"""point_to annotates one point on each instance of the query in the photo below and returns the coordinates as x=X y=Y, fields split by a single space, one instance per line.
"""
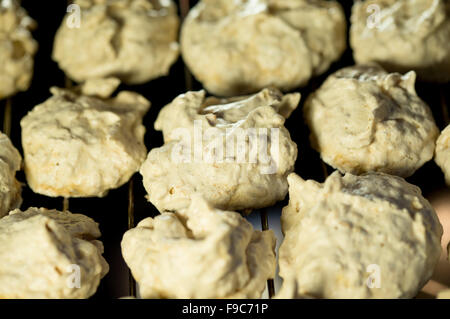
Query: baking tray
x=124 y=207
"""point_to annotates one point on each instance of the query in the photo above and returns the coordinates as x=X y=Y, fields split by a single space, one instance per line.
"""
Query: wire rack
x=438 y=97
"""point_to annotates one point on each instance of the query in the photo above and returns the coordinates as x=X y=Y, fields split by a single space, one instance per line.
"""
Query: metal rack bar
x=445 y=112
x=324 y=169
x=132 y=282
x=65 y=204
x=184 y=10
x=265 y=226
x=68 y=85
x=7 y=117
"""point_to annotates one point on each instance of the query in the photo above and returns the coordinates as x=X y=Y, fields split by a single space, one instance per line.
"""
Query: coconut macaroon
x=10 y=188
x=403 y=35
x=365 y=119
x=17 y=48
x=235 y=152
x=370 y=236
x=77 y=145
x=240 y=47
x=134 y=40
x=214 y=254
x=442 y=157
x=49 y=254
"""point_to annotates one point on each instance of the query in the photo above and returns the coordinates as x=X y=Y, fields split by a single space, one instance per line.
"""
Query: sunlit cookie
x=403 y=35
x=77 y=145
x=134 y=40
x=214 y=254
x=17 y=48
x=365 y=119
x=243 y=46
x=10 y=163
x=49 y=254
x=370 y=236
x=236 y=153
x=442 y=156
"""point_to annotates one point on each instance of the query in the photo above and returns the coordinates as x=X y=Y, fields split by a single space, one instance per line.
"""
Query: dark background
x=111 y=212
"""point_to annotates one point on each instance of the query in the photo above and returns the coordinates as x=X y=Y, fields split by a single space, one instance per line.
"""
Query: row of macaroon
x=82 y=143
x=247 y=279
x=285 y=42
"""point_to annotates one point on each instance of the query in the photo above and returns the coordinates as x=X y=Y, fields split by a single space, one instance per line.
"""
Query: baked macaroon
x=240 y=47
x=403 y=35
x=365 y=119
x=10 y=188
x=369 y=236
x=212 y=254
x=133 y=40
x=17 y=48
x=78 y=145
x=442 y=156
x=235 y=152
x=49 y=254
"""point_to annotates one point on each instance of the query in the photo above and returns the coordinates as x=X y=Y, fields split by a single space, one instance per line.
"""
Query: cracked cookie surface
x=235 y=152
x=78 y=145
x=369 y=236
x=211 y=254
x=17 y=48
x=240 y=47
x=133 y=40
x=43 y=252
x=364 y=119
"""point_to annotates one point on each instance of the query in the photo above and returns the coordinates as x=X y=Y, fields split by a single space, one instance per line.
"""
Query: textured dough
x=17 y=48
x=134 y=40
x=337 y=231
x=10 y=188
x=214 y=254
x=365 y=119
x=38 y=251
x=442 y=156
x=404 y=35
x=82 y=146
x=237 y=180
x=239 y=47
